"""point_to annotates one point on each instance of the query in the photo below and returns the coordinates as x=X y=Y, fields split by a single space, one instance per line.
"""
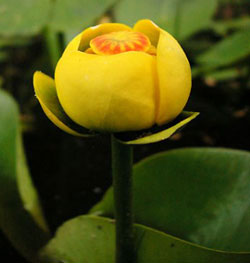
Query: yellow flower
x=115 y=78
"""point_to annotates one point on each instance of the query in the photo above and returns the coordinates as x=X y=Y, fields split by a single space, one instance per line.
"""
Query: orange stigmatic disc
x=120 y=41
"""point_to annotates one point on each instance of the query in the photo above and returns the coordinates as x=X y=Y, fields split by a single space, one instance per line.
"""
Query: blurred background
x=72 y=174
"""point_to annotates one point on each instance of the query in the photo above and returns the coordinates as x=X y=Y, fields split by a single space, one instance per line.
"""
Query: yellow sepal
x=46 y=94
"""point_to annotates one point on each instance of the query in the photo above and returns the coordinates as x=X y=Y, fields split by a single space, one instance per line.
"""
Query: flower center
x=118 y=42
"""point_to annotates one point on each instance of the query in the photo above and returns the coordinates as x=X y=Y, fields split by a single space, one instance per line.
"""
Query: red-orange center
x=118 y=42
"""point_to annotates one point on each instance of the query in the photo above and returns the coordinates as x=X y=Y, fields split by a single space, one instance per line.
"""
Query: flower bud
x=114 y=78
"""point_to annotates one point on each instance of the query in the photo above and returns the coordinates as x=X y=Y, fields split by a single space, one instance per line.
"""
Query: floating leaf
x=223 y=74
x=180 y=18
x=200 y=195
x=76 y=15
x=21 y=217
x=23 y=18
x=227 y=51
x=92 y=239
x=222 y=27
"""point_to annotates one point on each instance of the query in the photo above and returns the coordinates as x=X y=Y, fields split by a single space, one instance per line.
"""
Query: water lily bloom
x=114 y=78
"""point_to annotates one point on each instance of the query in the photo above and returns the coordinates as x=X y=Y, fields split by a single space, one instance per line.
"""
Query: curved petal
x=46 y=93
x=112 y=93
x=174 y=78
x=73 y=44
x=149 y=28
x=81 y=41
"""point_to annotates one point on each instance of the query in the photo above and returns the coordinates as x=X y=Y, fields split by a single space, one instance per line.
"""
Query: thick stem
x=122 y=160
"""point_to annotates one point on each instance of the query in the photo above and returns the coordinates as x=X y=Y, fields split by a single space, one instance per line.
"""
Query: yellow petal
x=112 y=93
x=174 y=78
x=46 y=93
x=81 y=41
x=73 y=44
x=150 y=29
x=98 y=30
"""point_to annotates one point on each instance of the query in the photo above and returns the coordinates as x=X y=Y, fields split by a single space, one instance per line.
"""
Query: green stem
x=122 y=161
x=53 y=45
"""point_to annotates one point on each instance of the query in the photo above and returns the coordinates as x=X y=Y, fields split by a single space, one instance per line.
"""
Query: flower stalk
x=122 y=161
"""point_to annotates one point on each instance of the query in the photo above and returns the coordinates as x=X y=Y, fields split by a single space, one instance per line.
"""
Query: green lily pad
x=25 y=18
x=198 y=194
x=223 y=74
x=224 y=26
x=227 y=51
x=92 y=239
x=76 y=15
x=21 y=217
x=180 y=18
x=156 y=133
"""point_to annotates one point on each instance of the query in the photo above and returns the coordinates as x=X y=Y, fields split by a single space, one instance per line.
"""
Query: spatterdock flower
x=115 y=78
